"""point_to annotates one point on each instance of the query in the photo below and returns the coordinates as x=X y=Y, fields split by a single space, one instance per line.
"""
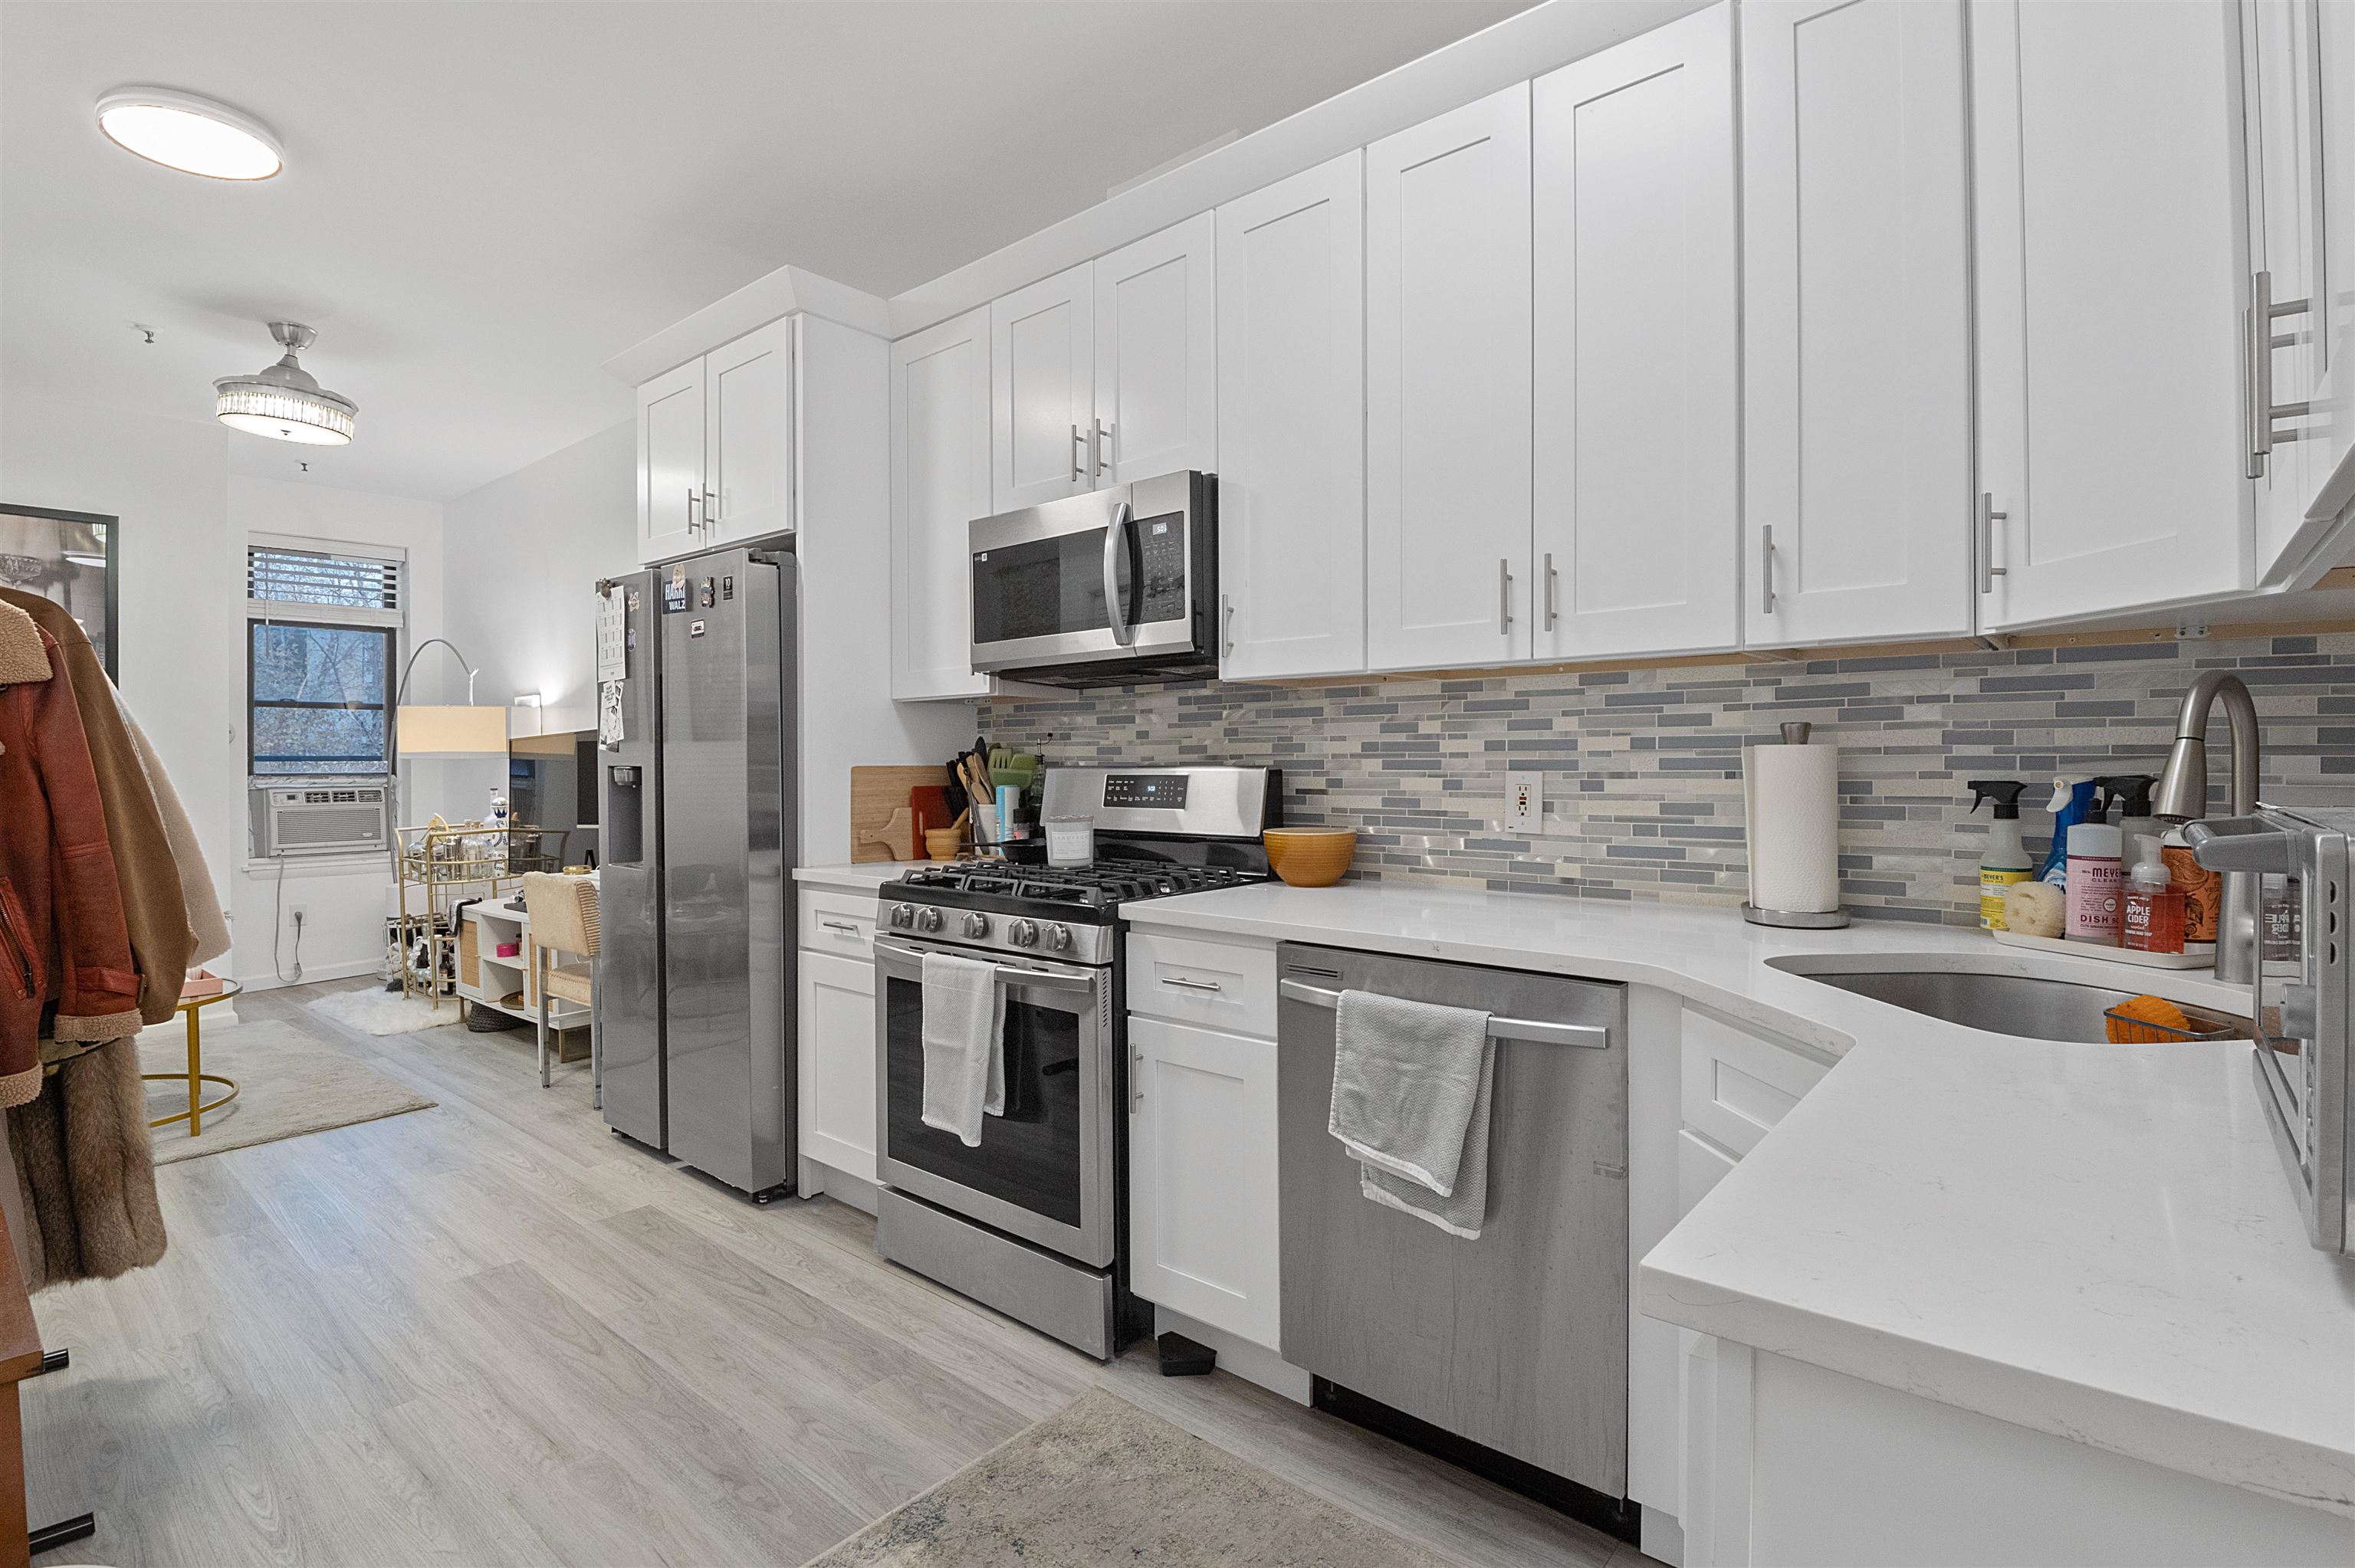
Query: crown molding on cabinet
x=782 y=293
x=1553 y=33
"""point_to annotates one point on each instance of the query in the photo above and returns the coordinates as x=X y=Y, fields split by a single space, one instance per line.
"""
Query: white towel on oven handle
x=965 y=1046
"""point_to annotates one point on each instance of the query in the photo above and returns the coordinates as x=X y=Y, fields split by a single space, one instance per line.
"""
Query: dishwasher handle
x=1591 y=1037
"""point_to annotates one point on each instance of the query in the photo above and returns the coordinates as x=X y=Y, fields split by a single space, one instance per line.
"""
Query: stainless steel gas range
x=1034 y=1220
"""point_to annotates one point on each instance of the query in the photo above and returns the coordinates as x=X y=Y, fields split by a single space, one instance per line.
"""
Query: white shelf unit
x=498 y=978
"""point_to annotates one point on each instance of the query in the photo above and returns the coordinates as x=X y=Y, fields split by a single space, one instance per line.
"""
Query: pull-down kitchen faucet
x=2182 y=795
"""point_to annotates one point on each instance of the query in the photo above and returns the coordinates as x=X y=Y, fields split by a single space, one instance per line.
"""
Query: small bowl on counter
x=1310 y=857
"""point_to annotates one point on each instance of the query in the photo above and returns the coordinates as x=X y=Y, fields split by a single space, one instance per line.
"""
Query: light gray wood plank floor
x=491 y=1334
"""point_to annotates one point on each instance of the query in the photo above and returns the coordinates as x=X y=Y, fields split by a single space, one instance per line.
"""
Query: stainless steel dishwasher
x=1512 y=1345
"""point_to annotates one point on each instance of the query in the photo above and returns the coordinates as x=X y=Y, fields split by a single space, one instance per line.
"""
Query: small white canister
x=1070 y=840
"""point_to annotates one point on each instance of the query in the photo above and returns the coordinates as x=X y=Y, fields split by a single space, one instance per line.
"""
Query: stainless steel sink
x=2024 y=1005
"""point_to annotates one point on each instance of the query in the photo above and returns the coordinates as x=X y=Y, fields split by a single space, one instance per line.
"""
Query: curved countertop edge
x=864 y=877
x=1716 y=962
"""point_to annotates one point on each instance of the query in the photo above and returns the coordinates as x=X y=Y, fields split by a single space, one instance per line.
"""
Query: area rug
x=1101 y=1482
x=374 y=1010
x=288 y=1085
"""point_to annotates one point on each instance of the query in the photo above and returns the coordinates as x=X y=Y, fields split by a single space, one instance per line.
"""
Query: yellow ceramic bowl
x=1310 y=857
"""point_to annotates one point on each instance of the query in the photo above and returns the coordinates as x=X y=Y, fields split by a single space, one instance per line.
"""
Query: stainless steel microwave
x=1099 y=589
x=2304 y=1001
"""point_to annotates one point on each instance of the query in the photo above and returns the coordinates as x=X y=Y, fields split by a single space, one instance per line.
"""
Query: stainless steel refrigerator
x=695 y=972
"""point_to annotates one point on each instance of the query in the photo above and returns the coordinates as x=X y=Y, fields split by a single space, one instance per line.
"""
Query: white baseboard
x=1255 y=1363
x=312 y=973
x=838 y=1184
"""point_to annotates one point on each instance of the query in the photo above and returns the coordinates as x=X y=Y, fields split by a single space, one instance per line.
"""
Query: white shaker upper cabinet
x=2111 y=250
x=1157 y=356
x=2298 y=176
x=670 y=464
x=939 y=483
x=1447 y=389
x=1042 y=390
x=1637 y=338
x=1292 y=435
x=747 y=435
x=1856 y=261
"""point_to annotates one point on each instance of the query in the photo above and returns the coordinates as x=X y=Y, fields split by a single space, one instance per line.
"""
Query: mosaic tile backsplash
x=1643 y=768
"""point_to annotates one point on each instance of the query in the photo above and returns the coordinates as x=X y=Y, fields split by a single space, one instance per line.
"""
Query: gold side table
x=196 y=1078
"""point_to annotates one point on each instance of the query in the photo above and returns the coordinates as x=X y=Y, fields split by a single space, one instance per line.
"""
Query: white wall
x=520 y=570
x=344 y=900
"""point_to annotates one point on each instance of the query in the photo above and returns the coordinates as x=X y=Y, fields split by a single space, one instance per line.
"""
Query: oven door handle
x=1593 y=1037
x=1012 y=974
x=1116 y=541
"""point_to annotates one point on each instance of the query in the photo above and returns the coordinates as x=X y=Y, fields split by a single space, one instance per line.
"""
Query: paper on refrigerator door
x=612 y=638
x=609 y=713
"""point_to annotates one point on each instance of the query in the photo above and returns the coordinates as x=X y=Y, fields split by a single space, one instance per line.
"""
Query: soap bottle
x=2005 y=860
x=2154 y=913
x=2094 y=883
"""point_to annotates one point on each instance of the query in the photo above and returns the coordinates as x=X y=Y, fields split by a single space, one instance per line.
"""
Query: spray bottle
x=2005 y=861
x=2072 y=803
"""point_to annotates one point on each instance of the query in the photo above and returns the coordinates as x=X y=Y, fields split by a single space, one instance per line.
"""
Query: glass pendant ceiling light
x=282 y=401
x=196 y=135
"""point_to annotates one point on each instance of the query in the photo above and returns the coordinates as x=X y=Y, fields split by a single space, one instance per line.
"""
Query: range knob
x=1059 y=937
x=904 y=916
x=927 y=919
x=1023 y=933
x=976 y=925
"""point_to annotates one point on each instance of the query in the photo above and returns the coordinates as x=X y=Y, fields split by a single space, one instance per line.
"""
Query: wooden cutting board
x=875 y=794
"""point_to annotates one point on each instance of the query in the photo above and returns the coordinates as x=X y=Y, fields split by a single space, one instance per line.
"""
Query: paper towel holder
x=1796 y=733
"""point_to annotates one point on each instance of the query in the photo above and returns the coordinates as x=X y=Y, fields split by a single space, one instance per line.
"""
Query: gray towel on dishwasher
x=1412 y=1083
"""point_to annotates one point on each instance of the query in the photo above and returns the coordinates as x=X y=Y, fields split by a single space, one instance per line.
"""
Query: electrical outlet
x=1524 y=801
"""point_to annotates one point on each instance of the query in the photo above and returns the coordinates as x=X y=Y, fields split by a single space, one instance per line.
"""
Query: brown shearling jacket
x=154 y=912
x=62 y=938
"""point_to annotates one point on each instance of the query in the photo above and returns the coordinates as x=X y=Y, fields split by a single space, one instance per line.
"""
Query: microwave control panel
x=1160 y=556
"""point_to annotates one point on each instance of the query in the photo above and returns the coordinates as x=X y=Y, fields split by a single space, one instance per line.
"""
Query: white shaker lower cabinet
x=1447 y=389
x=2110 y=247
x=1857 y=506
x=1202 y=1176
x=836 y=1049
x=1639 y=394
x=939 y=483
x=1292 y=426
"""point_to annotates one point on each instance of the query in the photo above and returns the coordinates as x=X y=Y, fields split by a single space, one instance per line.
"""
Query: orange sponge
x=2171 y=1022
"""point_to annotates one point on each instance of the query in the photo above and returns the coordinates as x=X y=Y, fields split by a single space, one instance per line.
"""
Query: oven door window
x=1041 y=587
x=1033 y=1157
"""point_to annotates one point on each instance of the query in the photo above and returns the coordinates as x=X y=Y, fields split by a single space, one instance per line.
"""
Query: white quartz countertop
x=2094 y=1241
x=864 y=877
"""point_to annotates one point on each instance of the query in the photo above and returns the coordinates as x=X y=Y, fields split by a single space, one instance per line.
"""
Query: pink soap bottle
x=2096 y=884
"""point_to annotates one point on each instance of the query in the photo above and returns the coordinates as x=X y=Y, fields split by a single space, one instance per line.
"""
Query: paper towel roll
x=1791 y=796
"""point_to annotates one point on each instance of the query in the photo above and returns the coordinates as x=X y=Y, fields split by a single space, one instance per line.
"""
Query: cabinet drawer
x=835 y=922
x=1737 y=1086
x=1226 y=985
x=1701 y=1165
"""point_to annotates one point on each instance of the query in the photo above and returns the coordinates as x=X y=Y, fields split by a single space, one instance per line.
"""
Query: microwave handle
x=1116 y=540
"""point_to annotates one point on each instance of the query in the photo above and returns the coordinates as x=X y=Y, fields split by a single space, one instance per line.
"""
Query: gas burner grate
x=1097 y=886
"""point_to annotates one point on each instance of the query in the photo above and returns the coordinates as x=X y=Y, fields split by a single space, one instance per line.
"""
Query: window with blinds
x=322 y=642
x=364 y=588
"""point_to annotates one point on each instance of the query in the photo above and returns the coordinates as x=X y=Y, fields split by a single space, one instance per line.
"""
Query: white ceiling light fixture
x=283 y=401
x=195 y=136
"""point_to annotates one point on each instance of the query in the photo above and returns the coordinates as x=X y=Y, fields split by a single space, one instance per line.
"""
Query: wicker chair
x=563 y=912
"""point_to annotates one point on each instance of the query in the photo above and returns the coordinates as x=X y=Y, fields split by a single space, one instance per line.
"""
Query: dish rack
x=2128 y=1030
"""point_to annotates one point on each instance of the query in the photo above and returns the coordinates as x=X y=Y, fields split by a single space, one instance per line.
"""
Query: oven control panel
x=1148 y=791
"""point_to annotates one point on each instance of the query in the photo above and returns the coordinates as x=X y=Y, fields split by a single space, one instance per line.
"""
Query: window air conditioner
x=293 y=821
